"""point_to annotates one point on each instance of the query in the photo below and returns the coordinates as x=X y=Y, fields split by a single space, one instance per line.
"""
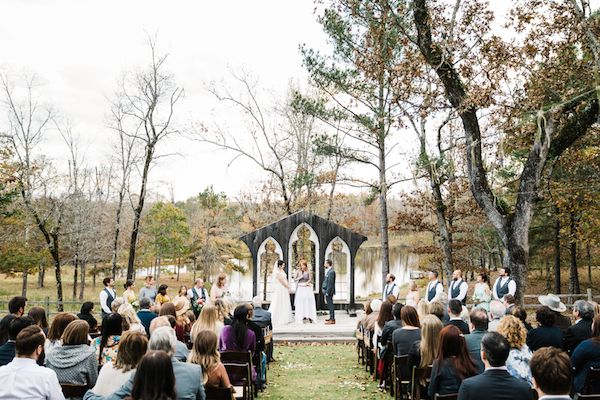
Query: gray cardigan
x=76 y=364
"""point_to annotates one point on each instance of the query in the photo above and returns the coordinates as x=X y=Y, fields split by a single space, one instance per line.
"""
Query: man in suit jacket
x=495 y=383
x=187 y=384
x=329 y=290
x=583 y=312
x=146 y=315
x=479 y=326
x=8 y=349
x=551 y=373
x=390 y=326
x=454 y=310
x=261 y=316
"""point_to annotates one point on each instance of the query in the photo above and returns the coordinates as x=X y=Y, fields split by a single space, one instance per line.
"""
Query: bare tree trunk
x=115 y=246
x=75 y=270
x=24 y=283
x=194 y=266
x=41 y=274
x=589 y=263
x=548 y=277
x=445 y=233
x=94 y=273
x=178 y=267
x=82 y=284
x=557 y=288
x=574 y=274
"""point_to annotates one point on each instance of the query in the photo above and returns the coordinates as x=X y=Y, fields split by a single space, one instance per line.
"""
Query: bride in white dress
x=281 y=307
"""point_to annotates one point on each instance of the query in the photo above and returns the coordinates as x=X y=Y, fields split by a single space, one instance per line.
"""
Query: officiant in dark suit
x=329 y=290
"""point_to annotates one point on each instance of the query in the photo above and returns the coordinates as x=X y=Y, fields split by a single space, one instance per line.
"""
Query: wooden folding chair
x=453 y=396
x=71 y=390
x=592 y=382
x=240 y=377
x=587 y=397
x=417 y=375
x=360 y=345
x=213 y=393
x=401 y=379
x=242 y=357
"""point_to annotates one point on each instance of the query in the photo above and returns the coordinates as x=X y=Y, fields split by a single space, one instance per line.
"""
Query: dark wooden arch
x=326 y=231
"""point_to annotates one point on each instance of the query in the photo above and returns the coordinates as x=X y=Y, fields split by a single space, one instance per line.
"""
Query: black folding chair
x=71 y=390
x=453 y=396
x=243 y=357
x=218 y=393
x=592 y=382
x=240 y=377
x=401 y=378
x=419 y=374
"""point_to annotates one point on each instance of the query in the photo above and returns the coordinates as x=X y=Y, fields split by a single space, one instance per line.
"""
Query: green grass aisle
x=312 y=371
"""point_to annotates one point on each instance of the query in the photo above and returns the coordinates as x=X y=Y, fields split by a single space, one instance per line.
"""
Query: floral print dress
x=517 y=363
x=109 y=352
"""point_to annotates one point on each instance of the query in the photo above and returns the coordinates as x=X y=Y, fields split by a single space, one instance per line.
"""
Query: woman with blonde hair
x=519 y=356
x=422 y=352
x=423 y=308
x=412 y=298
x=219 y=289
x=204 y=353
x=114 y=374
x=129 y=315
x=208 y=320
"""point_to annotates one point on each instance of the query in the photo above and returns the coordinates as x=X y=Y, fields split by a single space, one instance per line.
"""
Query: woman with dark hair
x=166 y=309
x=546 y=334
x=57 y=327
x=86 y=315
x=39 y=317
x=107 y=345
x=404 y=337
x=482 y=295
x=129 y=295
x=237 y=336
x=162 y=297
x=385 y=315
x=586 y=355
x=154 y=378
x=452 y=365
x=521 y=315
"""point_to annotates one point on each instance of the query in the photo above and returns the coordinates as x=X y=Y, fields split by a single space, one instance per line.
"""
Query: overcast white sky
x=80 y=48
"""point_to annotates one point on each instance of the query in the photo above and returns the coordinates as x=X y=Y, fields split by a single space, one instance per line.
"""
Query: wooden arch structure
x=326 y=231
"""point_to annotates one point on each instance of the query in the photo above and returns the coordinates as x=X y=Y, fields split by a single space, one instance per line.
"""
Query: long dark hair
x=39 y=316
x=154 y=378
x=385 y=314
x=454 y=346
x=240 y=325
x=112 y=325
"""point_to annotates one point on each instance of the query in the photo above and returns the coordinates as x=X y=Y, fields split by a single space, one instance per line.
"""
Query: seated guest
x=188 y=384
x=508 y=301
x=237 y=336
x=385 y=315
x=224 y=312
x=497 y=311
x=8 y=349
x=404 y=337
x=181 y=350
x=57 y=327
x=258 y=333
x=495 y=383
x=521 y=314
x=128 y=313
x=368 y=311
x=261 y=316
x=553 y=302
x=519 y=356
x=437 y=308
x=39 y=317
x=154 y=379
x=207 y=320
x=454 y=310
x=16 y=308
x=86 y=315
x=205 y=354
x=551 y=374
x=479 y=327
x=391 y=326
x=583 y=312
x=117 y=302
x=423 y=352
x=423 y=308
x=371 y=319
x=182 y=305
x=167 y=308
x=146 y=315
x=586 y=355
x=546 y=334
x=452 y=365
x=106 y=345
x=113 y=375
x=22 y=378
x=75 y=361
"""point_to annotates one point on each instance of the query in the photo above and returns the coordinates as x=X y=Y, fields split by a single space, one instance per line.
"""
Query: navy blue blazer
x=497 y=384
x=329 y=283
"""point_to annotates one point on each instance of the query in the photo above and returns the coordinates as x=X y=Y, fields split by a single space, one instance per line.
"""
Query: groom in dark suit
x=329 y=290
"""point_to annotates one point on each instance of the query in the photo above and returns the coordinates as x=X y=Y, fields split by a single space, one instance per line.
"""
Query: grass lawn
x=315 y=371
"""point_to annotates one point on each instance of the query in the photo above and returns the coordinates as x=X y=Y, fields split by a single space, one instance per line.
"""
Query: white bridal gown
x=281 y=307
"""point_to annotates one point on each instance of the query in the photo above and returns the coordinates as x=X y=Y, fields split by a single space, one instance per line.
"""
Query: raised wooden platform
x=342 y=331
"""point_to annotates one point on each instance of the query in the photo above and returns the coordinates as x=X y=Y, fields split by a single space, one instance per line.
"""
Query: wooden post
x=48 y=305
x=589 y=294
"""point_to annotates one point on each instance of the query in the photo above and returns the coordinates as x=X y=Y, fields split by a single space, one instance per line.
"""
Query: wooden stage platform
x=342 y=331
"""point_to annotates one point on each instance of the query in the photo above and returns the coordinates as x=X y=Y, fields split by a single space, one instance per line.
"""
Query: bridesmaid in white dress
x=412 y=298
x=281 y=306
x=306 y=309
x=482 y=295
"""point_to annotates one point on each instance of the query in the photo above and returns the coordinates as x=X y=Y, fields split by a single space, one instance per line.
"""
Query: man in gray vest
x=458 y=288
x=107 y=296
x=435 y=289
x=390 y=287
x=329 y=290
x=504 y=285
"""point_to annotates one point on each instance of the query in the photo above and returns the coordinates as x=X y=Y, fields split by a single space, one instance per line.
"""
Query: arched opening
x=269 y=252
x=339 y=253
x=304 y=244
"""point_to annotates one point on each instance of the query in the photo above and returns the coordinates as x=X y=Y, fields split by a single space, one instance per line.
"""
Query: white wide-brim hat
x=553 y=302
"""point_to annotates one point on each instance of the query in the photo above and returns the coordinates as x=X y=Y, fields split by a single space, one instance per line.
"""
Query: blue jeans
x=329 y=299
